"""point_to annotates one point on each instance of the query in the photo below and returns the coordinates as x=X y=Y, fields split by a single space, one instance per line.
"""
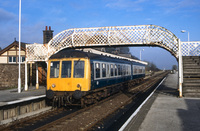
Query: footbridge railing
x=149 y=35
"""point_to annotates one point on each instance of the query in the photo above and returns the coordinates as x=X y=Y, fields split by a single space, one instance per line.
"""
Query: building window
x=22 y=59
x=12 y=59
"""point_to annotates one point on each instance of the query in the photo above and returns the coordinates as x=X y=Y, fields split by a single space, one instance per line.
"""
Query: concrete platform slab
x=165 y=111
x=9 y=96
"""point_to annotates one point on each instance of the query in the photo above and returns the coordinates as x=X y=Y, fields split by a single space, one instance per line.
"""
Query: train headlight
x=53 y=85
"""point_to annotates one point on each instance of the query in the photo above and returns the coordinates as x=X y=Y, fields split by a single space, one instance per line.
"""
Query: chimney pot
x=49 y=27
x=46 y=27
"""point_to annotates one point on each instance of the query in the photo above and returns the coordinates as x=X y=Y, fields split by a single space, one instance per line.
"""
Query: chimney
x=47 y=35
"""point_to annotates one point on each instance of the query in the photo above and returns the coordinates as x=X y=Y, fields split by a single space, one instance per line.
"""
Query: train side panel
x=108 y=73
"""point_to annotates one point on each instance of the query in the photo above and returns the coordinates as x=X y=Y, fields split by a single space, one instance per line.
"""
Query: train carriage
x=77 y=77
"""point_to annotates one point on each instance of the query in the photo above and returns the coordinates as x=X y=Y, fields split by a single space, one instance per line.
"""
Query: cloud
x=6 y=16
x=128 y=5
x=148 y=19
x=173 y=6
x=8 y=27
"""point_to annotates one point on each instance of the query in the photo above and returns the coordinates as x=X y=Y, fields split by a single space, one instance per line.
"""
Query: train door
x=81 y=79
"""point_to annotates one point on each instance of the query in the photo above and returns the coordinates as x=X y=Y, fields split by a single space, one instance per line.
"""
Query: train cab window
x=97 y=69
x=79 y=69
x=66 y=69
x=103 y=70
x=112 y=70
x=54 y=70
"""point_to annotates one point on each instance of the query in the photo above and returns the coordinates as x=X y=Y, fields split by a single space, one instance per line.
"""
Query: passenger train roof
x=71 y=53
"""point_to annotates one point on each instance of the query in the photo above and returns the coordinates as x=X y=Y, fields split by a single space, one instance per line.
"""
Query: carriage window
x=143 y=70
x=135 y=70
x=112 y=70
x=126 y=70
x=103 y=70
x=115 y=70
x=119 y=70
x=54 y=71
x=108 y=70
x=66 y=69
x=123 y=70
x=140 y=70
x=129 y=70
x=79 y=69
x=97 y=68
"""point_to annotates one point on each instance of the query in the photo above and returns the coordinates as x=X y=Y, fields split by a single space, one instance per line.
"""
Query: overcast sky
x=174 y=15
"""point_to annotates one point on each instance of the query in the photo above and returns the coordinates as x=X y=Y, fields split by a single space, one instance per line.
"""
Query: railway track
x=86 y=118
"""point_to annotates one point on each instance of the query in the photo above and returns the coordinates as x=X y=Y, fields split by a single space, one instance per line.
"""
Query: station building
x=9 y=64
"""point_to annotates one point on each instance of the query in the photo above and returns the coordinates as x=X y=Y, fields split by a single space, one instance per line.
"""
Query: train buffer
x=165 y=111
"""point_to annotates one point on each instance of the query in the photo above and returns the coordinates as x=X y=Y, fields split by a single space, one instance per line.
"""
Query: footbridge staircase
x=191 y=69
x=191 y=76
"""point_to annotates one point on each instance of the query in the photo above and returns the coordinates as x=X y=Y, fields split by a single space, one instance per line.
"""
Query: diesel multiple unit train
x=75 y=77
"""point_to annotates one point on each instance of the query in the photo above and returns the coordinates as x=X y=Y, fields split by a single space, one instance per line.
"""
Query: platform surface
x=12 y=95
x=164 y=111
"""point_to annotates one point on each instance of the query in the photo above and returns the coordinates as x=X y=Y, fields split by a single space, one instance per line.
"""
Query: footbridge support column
x=180 y=63
x=37 y=81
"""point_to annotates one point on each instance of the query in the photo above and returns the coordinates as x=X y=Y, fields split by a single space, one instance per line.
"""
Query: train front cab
x=68 y=77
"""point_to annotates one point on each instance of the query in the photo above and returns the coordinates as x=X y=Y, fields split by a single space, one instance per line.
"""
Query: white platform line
x=24 y=99
x=138 y=109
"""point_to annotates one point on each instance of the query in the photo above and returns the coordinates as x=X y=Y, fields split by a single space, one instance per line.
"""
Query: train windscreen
x=66 y=69
x=79 y=69
x=54 y=71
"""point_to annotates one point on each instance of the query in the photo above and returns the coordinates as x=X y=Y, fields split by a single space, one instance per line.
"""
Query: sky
x=174 y=15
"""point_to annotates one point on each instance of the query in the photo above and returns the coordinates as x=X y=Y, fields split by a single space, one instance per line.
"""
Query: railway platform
x=11 y=96
x=165 y=111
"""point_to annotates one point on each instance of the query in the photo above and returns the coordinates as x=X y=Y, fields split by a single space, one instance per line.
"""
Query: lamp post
x=141 y=54
x=184 y=31
x=19 y=59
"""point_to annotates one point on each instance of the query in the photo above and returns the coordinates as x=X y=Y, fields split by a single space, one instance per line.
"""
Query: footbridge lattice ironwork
x=149 y=35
